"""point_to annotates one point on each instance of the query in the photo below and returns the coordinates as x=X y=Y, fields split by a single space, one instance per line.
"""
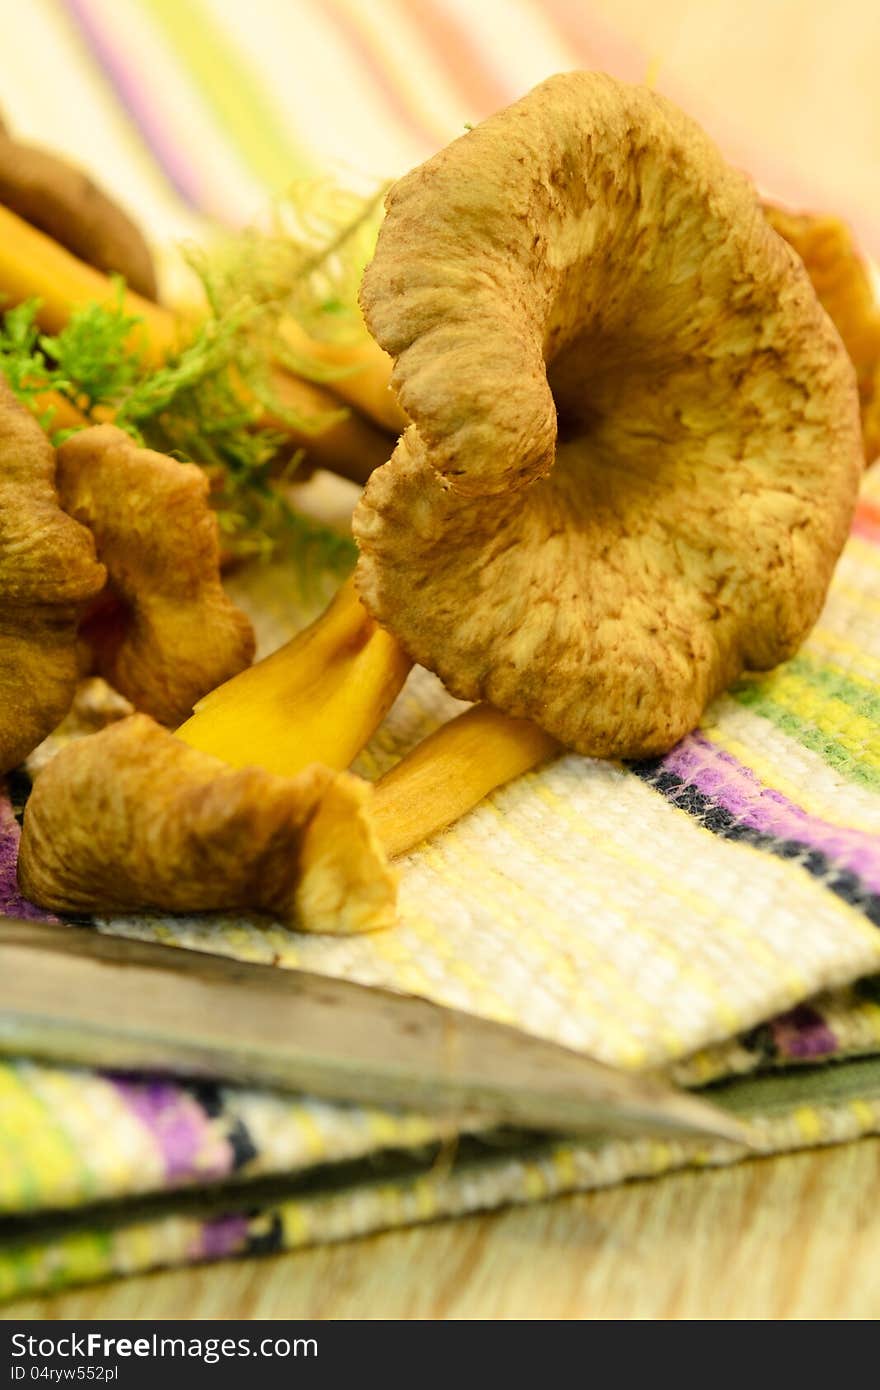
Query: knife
x=69 y=994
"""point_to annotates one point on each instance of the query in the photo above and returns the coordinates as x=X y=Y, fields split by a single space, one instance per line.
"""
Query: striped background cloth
x=202 y=108
x=714 y=913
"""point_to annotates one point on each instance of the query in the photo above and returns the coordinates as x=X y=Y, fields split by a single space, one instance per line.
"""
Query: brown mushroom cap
x=48 y=574
x=635 y=443
x=842 y=281
x=176 y=635
x=133 y=818
x=64 y=203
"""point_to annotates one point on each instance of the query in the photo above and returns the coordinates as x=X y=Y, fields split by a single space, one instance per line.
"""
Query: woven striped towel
x=713 y=913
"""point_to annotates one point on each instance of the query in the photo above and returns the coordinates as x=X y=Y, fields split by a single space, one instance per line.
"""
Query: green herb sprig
x=307 y=267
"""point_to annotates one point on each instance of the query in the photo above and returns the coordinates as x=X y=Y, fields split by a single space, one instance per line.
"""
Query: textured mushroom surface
x=842 y=281
x=133 y=818
x=64 y=203
x=635 y=444
x=167 y=632
x=95 y=704
x=48 y=574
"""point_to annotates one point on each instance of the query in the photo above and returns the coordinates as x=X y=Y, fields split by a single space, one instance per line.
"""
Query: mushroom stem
x=343 y=441
x=34 y=266
x=64 y=414
x=319 y=698
x=361 y=374
x=449 y=773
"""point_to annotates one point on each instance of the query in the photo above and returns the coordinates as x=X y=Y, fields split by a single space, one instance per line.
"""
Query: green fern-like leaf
x=91 y=353
x=307 y=269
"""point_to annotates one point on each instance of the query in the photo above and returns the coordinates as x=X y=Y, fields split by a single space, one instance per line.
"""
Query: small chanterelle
x=632 y=458
x=180 y=829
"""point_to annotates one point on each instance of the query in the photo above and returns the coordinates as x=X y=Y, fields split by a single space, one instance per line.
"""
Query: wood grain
x=790 y=1237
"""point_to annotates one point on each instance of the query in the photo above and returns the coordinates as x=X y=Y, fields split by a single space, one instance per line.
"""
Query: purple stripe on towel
x=12 y=904
x=802 y=1033
x=166 y=144
x=730 y=784
x=225 y=1235
x=191 y=1146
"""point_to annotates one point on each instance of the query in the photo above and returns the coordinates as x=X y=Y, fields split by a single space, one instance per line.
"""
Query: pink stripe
x=733 y=786
x=163 y=142
x=222 y=1236
x=462 y=56
x=383 y=77
x=190 y=1144
x=595 y=44
x=866 y=523
x=598 y=46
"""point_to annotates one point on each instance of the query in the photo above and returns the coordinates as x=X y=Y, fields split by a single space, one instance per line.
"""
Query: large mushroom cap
x=635 y=441
x=48 y=574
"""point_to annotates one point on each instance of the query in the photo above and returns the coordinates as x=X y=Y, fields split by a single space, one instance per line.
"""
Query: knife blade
x=69 y=994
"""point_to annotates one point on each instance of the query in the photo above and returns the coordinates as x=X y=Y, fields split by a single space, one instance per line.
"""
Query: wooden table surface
x=790 y=1237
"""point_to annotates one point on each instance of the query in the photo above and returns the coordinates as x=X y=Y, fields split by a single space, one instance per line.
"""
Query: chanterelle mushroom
x=62 y=201
x=48 y=574
x=132 y=818
x=842 y=281
x=588 y=250
x=635 y=443
x=171 y=634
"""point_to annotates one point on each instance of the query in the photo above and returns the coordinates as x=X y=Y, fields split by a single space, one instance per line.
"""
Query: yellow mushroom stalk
x=360 y=373
x=451 y=771
x=34 y=266
x=341 y=440
x=319 y=698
